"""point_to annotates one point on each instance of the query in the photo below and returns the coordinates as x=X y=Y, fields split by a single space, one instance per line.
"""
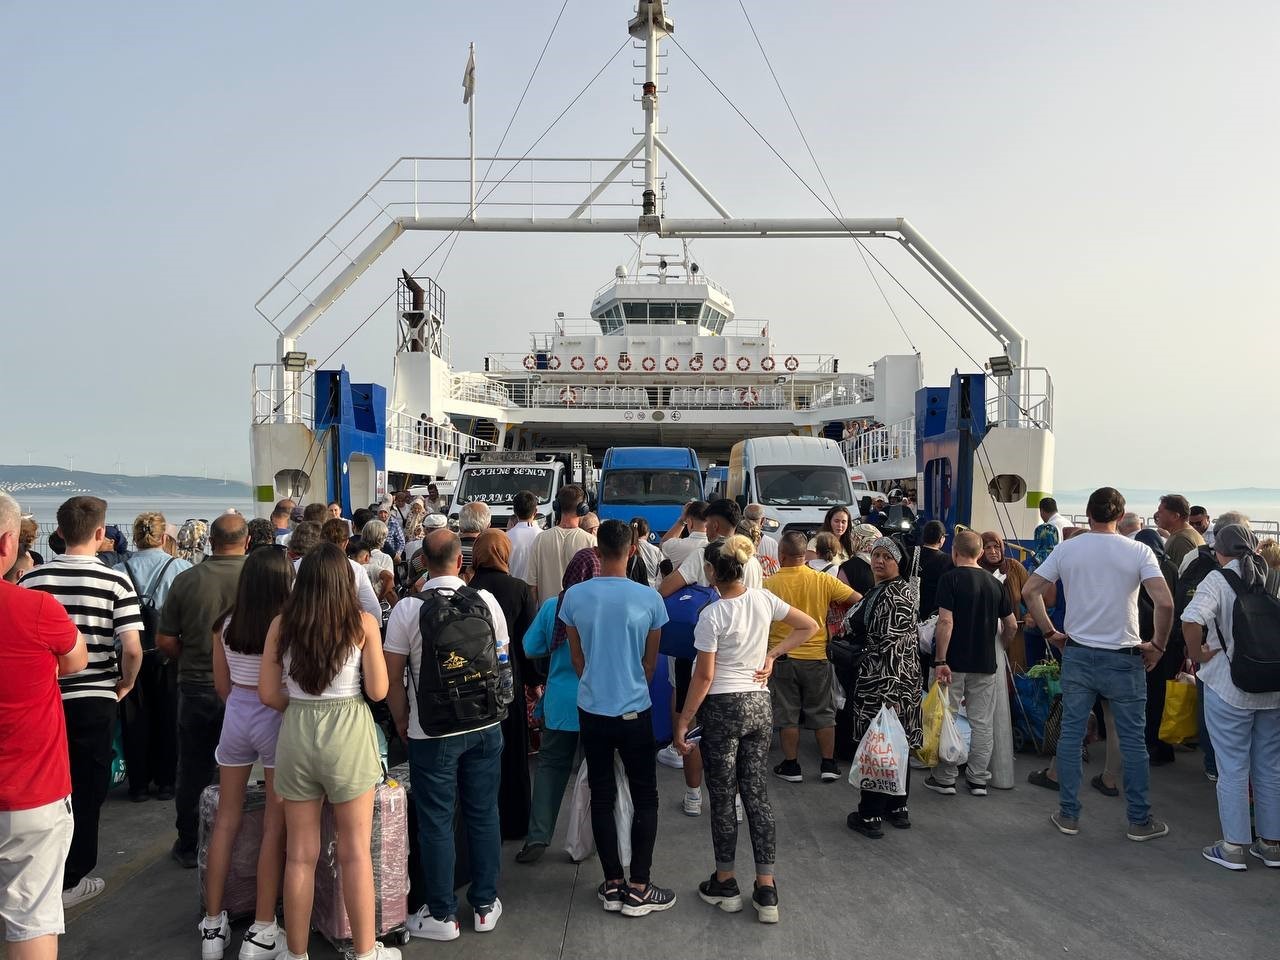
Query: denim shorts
x=249 y=731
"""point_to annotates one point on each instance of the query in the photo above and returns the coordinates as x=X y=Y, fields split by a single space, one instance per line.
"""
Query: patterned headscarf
x=1047 y=537
x=889 y=545
x=864 y=535
x=584 y=565
x=192 y=540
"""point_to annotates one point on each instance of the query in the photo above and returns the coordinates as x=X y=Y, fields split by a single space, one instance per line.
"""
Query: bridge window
x=636 y=310
x=688 y=311
x=662 y=311
x=1007 y=488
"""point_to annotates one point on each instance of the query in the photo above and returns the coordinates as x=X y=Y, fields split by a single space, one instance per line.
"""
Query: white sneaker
x=86 y=889
x=693 y=803
x=486 y=918
x=215 y=934
x=669 y=756
x=737 y=808
x=383 y=953
x=263 y=942
x=422 y=924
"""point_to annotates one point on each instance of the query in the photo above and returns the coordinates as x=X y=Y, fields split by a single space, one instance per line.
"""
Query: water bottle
x=506 y=681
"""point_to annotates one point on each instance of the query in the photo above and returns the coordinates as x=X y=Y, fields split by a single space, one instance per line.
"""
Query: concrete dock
x=974 y=878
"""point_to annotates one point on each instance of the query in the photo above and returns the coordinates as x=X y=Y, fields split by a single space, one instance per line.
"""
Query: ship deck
x=975 y=877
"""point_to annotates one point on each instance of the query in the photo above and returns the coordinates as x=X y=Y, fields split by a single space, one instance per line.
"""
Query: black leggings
x=882 y=805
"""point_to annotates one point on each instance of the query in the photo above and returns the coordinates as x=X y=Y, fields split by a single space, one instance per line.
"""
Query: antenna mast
x=652 y=25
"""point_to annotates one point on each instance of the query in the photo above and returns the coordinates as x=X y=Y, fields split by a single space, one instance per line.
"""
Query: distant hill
x=38 y=481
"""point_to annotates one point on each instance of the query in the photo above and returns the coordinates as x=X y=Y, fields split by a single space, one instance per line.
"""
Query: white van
x=796 y=479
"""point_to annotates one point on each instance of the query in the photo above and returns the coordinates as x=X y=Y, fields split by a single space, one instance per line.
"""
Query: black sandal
x=1101 y=786
x=1040 y=778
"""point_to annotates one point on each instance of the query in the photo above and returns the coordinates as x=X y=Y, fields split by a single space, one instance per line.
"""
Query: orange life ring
x=748 y=396
x=744 y=363
x=671 y=363
x=530 y=362
x=792 y=364
x=602 y=363
x=649 y=364
x=553 y=363
x=577 y=363
x=718 y=364
x=569 y=396
x=624 y=362
x=695 y=362
x=767 y=364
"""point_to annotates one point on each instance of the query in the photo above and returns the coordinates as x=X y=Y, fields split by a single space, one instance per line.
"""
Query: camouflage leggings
x=736 y=731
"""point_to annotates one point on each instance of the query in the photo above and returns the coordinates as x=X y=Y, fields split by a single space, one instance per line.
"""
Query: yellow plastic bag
x=932 y=712
x=1178 y=723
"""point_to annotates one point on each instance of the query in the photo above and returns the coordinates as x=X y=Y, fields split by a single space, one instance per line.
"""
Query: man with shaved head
x=196 y=599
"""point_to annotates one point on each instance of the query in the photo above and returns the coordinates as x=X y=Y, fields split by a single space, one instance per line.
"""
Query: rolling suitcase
x=240 y=894
x=390 y=872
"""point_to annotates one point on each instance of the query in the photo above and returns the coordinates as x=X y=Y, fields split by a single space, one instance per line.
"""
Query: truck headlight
x=769 y=525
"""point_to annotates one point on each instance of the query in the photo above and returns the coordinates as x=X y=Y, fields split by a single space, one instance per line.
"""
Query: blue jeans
x=1121 y=678
x=468 y=766
x=1248 y=748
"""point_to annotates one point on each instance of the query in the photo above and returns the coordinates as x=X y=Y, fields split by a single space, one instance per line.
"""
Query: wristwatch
x=939 y=663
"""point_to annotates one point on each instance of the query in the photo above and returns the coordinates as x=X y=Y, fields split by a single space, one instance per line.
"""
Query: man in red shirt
x=38 y=643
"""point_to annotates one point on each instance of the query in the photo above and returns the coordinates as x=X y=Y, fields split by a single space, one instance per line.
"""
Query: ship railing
x=676 y=276
x=474 y=390
x=1035 y=406
x=539 y=360
x=506 y=186
x=1262 y=529
x=277 y=400
x=882 y=444
x=602 y=392
x=411 y=434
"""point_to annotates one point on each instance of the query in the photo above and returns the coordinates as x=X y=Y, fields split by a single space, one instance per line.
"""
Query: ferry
x=661 y=356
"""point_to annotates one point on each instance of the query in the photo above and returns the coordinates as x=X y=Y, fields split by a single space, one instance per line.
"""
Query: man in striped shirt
x=103 y=605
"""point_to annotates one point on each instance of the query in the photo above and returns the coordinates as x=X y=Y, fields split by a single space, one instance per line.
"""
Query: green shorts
x=327 y=748
x=802 y=686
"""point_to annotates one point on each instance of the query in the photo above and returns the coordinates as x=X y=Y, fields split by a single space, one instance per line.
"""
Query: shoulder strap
x=134 y=580
x=1234 y=580
x=159 y=576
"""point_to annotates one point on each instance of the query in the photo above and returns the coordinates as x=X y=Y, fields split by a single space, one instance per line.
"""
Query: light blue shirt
x=560 y=699
x=613 y=617
x=146 y=566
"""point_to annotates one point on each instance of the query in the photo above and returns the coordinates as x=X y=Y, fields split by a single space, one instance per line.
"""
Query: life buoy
x=695 y=362
x=530 y=362
x=718 y=364
x=767 y=364
x=569 y=396
x=671 y=363
x=744 y=363
x=624 y=362
x=649 y=364
x=792 y=364
x=553 y=363
x=602 y=363
x=748 y=396
x=577 y=363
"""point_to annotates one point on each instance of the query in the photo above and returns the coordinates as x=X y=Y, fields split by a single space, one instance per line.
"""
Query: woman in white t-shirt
x=729 y=695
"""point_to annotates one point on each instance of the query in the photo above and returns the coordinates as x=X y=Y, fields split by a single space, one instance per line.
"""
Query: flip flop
x=1100 y=785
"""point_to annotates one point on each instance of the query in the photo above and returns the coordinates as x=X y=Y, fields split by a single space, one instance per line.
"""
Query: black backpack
x=1255 y=634
x=147 y=604
x=457 y=687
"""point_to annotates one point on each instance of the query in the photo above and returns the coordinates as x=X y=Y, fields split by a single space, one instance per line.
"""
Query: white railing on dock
x=410 y=434
x=881 y=444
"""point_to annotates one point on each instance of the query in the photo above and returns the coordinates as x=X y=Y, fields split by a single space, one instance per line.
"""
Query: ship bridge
x=662 y=297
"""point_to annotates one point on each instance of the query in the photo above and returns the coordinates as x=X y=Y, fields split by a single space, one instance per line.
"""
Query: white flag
x=469 y=77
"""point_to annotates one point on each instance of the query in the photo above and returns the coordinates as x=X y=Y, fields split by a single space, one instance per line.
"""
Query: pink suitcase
x=240 y=896
x=390 y=871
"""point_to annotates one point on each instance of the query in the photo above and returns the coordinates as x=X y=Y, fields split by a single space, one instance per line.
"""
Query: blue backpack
x=683 y=609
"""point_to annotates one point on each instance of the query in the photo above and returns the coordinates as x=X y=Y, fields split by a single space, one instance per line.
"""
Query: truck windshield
x=651 y=487
x=501 y=483
x=802 y=486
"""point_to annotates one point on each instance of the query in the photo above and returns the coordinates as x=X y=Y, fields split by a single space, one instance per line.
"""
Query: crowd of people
x=317 y=645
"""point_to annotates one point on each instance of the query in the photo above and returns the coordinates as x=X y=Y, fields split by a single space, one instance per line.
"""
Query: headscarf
x=584 y=565
x=1237 y=541
x=864 y=535
x=1047 y=538
x=192 y=539
x=492 y=549
x=990 y=537
x=1152 y=540
x=887 y=543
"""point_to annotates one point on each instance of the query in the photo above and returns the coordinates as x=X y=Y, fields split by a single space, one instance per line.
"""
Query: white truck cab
x=796 y=479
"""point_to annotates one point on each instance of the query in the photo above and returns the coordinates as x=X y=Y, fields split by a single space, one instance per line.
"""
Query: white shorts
x=33 y=848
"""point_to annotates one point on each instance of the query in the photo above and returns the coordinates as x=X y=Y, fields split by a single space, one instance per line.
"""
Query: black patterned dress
x=890 y=670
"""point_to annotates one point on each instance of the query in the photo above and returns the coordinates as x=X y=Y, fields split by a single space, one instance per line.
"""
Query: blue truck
x=650 y=482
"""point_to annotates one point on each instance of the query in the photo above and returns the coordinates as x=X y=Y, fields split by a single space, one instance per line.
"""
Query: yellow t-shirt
x=806 y=589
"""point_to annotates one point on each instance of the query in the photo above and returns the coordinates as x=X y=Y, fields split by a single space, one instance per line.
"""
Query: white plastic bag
x=837 y=689
x=579 y=841
x=880 y=765
x=952 y=748
x=925 y=630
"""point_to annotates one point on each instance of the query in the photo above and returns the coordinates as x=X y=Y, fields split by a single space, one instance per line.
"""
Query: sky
x=1105 y=174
